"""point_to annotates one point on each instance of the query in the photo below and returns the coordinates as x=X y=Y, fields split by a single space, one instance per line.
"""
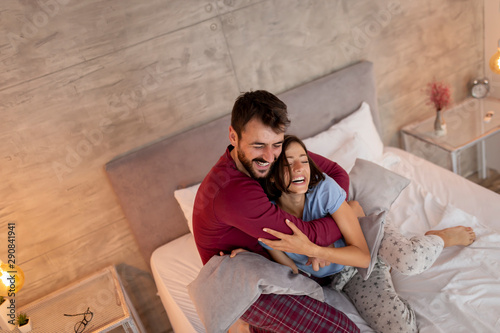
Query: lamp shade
x=11 y=279
x=495 y=61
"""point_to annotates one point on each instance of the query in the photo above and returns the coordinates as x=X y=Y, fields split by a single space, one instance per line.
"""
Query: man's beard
x=247 y=164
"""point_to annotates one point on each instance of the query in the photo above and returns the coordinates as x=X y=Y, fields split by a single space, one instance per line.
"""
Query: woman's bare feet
x=455 y=236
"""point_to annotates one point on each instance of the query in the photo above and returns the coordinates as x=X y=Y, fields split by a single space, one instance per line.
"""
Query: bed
x=155 y=186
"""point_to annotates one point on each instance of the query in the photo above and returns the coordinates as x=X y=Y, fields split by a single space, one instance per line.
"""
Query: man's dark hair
x=261 y=104
x=275 y=182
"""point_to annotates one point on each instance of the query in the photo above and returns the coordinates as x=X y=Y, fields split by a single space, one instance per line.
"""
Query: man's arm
x=244 y=205
x=333 y=170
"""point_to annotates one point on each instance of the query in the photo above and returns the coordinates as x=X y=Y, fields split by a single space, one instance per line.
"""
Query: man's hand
x=317 y=263
x=233 y=252
x=297 y=242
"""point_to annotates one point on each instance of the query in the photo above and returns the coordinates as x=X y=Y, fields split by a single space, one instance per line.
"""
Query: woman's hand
x=297 y=242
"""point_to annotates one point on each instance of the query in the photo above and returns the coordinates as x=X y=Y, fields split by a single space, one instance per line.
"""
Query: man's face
x=257 y=149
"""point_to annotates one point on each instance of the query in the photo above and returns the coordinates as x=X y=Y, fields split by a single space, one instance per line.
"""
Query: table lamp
x=495 y=61
x=11 y=279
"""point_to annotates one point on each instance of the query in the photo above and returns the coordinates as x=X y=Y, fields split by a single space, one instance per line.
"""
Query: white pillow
x=360 y=124
x=327 y=142
x=185 y=198
x=349 y=151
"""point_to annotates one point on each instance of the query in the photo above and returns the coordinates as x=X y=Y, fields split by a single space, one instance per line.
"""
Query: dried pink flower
x=439 y=94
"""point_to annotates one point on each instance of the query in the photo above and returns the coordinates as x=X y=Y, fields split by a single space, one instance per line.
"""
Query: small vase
x=439 y=125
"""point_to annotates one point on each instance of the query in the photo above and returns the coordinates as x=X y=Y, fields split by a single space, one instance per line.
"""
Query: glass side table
x=468 y=124
x=101 y=293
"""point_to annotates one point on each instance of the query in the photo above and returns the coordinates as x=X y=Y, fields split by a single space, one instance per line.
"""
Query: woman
x=298 y=187
x=376 y=299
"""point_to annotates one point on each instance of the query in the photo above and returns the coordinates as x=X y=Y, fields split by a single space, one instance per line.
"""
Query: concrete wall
x=84 y=81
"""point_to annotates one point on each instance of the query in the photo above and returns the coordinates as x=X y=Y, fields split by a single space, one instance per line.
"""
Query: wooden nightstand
x=467 y=125
x=102 y=293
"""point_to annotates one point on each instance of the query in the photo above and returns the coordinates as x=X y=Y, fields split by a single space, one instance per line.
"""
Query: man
x=231 y=209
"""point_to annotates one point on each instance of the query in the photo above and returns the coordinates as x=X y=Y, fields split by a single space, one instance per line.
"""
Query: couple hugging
x=268 y=195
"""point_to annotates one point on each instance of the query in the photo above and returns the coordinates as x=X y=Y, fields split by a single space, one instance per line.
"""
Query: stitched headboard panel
x=144 y=180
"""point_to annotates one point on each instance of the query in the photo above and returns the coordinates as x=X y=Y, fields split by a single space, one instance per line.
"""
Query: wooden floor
x=492 y=181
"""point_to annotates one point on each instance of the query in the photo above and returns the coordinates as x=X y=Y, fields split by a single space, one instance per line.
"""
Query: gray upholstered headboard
x=144 y=180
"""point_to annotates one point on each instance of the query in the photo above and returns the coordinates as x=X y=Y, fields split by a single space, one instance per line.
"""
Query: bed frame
x=446 y=298
x=144 y=180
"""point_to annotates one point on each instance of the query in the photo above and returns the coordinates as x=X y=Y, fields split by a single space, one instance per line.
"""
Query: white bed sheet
x=459 y=293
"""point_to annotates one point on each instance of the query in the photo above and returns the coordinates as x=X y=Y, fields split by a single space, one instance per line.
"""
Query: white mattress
x=175 y=265
x=459 y=293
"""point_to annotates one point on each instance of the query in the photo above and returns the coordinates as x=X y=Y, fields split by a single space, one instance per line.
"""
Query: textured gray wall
x=84 y=81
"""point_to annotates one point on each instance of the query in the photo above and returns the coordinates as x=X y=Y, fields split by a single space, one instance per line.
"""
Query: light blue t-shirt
x=322 y=200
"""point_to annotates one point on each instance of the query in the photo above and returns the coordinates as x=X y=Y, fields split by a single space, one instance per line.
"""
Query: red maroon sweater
x=231 y=209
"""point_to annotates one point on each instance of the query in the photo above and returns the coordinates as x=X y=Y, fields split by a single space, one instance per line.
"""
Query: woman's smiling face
x=299 y=169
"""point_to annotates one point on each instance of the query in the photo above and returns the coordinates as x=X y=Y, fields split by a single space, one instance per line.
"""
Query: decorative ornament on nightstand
x=479 y=88
x=439 y=96
x=24 y=323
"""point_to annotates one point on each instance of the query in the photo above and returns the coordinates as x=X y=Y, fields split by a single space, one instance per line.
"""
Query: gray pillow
x=373 y=228
x=226 y=287
x=375 y=188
